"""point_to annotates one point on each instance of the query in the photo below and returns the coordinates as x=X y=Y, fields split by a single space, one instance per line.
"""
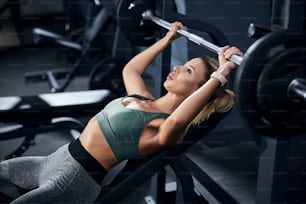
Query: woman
x=135 y=126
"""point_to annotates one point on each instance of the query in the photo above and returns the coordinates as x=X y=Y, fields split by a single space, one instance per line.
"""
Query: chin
x=166 y=86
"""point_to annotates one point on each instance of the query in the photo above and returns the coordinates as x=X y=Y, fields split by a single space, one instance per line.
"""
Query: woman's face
x=187 y=78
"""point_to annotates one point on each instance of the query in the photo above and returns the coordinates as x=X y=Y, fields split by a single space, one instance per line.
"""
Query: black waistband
x=88 y=162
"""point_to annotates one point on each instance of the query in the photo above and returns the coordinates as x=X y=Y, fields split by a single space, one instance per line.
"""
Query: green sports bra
x=122 y=127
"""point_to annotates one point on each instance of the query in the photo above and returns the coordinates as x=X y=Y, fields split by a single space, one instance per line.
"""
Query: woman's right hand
x=172 y=34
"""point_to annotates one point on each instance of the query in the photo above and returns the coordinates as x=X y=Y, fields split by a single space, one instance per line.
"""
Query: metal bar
x=148 y=15
x=255 y=31
x=52 y=81
x=298 y=88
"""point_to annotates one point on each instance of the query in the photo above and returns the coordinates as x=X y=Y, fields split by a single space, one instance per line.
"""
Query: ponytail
x=220 y=104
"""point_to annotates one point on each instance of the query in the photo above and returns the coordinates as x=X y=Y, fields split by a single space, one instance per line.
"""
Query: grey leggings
x=57 y=178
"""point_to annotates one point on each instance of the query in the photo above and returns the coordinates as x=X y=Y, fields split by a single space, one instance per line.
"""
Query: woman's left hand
x=225 y=65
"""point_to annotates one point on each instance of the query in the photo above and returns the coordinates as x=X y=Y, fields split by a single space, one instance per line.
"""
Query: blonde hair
x=222 y=101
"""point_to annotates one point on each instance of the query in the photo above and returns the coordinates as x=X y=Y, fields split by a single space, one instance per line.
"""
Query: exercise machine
x=86 y=57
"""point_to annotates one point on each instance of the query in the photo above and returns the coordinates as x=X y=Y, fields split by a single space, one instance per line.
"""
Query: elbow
x=125 y=71
x=129 y=71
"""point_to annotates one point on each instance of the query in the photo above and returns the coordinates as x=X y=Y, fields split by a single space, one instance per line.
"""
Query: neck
x=169 y=102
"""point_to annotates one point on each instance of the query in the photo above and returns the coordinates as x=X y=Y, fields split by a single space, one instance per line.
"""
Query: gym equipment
x=131 y=18
x=85 y=59
x=270 y=84
x=28 y=116
x=13 y=6
x=106 y=74
x=129 y=21
x=148 y=15
x=131 y=178
x=256 y=31
x=271 y=63
x=275 y=79
x=79 y=40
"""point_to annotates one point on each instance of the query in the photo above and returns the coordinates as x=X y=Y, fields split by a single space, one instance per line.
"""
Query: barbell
x=148 y=15
x=270 y=83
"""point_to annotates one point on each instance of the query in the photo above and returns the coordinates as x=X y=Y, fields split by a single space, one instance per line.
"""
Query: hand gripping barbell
x=270 y=83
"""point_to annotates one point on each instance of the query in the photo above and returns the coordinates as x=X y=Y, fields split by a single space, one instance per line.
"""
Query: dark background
x=19 y=55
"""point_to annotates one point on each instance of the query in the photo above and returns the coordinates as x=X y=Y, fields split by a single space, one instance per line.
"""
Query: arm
x=173 y=129
x=132 y=72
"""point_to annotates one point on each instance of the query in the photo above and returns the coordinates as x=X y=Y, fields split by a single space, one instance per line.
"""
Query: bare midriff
x=93 y=140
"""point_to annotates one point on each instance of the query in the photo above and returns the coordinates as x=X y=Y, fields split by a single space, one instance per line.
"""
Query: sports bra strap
x=139 y=97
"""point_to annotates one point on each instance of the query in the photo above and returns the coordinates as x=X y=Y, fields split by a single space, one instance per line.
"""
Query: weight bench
x=27 y=116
